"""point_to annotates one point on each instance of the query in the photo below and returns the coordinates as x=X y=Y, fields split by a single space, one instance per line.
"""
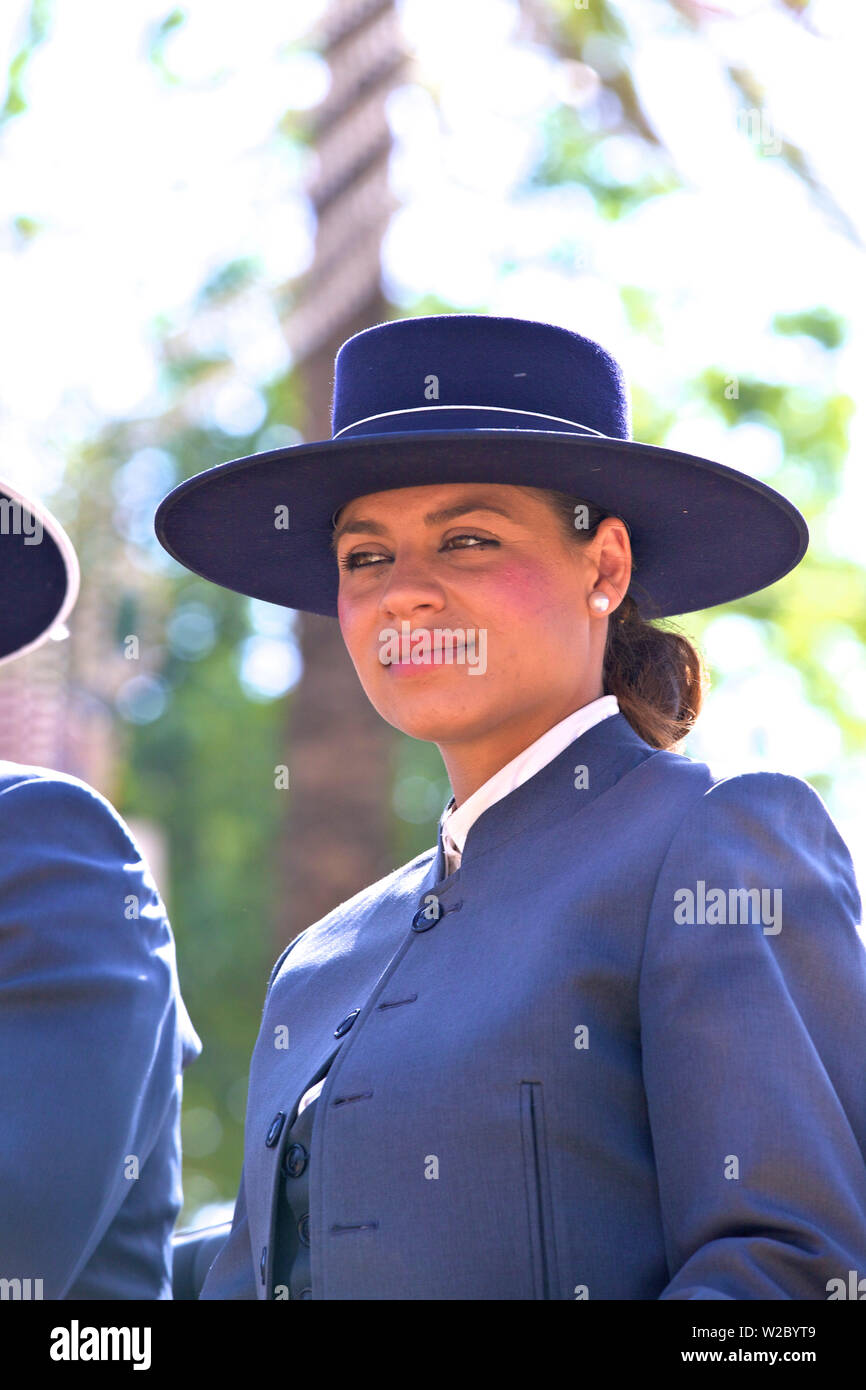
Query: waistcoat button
x=295 y=1160
x=304 y=1228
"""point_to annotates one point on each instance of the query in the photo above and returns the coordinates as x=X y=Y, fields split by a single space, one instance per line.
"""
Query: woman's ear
x=613 y=555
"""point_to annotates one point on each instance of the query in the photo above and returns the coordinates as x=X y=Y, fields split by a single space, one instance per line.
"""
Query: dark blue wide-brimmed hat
x=454 y=398
x=39 y=574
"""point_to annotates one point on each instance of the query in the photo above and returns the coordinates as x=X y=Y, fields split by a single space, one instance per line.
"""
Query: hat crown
x=428 y=373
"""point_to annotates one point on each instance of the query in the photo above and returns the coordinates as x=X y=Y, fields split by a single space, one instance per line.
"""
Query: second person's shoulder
x=26 y=786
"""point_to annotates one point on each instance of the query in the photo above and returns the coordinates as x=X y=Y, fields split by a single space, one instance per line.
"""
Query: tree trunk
x=340 y=751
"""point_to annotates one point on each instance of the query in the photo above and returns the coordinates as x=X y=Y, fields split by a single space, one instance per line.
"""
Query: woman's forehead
x=442 y=494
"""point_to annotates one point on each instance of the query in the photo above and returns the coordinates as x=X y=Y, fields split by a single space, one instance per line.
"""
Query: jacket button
x=304 y=1228
x=346 y=1024
x=275 y=1130
x=295 y=1160
x=306 y=1293
x=427 y=916
x=263 y=1261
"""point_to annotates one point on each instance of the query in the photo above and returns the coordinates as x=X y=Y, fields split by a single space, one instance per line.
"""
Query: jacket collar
x=601 y=755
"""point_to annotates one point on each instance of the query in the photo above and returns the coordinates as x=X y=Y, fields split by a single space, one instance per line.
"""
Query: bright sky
x=144 y=189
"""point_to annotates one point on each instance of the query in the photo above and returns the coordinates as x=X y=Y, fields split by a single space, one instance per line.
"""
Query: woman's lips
x=437 y=657
x=407 y=668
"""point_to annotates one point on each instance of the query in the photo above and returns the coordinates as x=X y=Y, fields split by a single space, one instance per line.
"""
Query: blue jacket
x=558 y=1085
x=93 y=1037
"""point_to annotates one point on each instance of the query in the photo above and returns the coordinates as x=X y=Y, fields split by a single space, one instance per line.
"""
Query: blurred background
x=199 y=204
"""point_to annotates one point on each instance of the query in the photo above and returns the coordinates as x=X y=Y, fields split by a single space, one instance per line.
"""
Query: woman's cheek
x=347 y=617
x=355 y=629
x=518 y=593
x=347 y=613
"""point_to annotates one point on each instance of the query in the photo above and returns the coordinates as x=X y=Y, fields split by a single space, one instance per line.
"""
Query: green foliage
x=575 y=23
x=229 y=281
x=819 y=323
x=159 y=36
x=298 y=128
x=39 y=21
x=640 y=308
x=26 y=228
x=825 y=591
x=38 y=29
x=204 y=772
x=420 y=792
x=813 y=427
x=651 y=420
x=427 y=304
x=284 y=399
x=187 y=370
x=573 y=153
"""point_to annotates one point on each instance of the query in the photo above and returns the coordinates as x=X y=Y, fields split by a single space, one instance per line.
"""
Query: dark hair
x=655 y=673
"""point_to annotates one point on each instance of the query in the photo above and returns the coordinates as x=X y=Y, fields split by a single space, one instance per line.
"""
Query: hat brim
x=702 y=534
x=39 y=574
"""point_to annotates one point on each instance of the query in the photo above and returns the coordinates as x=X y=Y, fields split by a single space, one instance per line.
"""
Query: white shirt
x=456 y=823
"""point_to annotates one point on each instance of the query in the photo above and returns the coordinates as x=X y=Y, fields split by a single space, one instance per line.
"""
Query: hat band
x=498 y=409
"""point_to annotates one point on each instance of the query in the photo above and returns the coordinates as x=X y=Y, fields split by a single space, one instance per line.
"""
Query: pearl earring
x=599 y=602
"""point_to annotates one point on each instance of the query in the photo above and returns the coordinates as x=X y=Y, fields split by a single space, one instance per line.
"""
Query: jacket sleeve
x=754 y=1041
x=93 y=1033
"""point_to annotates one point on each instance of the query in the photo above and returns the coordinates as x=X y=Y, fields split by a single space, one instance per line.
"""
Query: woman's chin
x=434 y=721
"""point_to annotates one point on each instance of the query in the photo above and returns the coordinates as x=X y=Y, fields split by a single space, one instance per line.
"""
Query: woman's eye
x=353 y=561
x=482 y=540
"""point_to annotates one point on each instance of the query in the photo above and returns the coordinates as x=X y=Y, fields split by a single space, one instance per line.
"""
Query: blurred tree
x=595 y=49
x=336 y=840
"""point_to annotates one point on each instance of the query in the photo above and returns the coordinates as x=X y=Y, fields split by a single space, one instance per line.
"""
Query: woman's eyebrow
x=472 y=504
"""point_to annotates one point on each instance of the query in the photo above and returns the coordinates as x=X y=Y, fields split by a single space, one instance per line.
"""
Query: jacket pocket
x=538 y=1198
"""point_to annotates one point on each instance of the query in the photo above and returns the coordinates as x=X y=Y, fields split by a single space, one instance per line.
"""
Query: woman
x=603 y=1041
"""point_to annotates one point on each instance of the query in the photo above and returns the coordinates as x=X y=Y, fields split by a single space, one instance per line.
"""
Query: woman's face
x=485 y=574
